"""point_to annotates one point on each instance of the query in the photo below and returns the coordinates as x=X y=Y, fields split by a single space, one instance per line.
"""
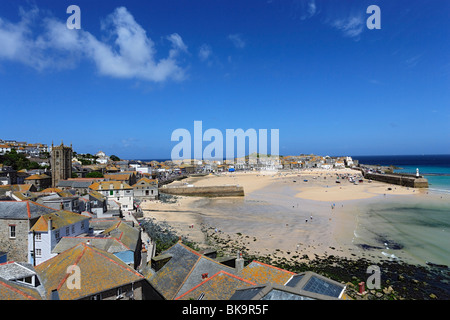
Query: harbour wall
x=405 y=180
x=205 y=191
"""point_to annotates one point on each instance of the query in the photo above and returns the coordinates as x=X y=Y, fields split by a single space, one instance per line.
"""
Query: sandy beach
x=281 y=214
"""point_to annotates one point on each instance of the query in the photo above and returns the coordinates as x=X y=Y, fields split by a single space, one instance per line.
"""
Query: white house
x=49 y=229
x=102 y=158
x=117 y=191
x=4 y=148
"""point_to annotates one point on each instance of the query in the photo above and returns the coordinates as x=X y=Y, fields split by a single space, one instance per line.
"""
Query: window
x=37 y=237
x=57 y=236
x=12 y=231
x=82 y=225
x=96 y=297
x=111 y=192
x=67 y=231
x=38 y=252
x=73 y=228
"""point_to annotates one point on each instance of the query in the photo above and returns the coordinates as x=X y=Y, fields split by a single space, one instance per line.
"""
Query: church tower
x=61 y=163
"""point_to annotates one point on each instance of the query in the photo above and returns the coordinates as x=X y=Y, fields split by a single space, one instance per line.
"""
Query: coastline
x=274 y=216
x=269 y=224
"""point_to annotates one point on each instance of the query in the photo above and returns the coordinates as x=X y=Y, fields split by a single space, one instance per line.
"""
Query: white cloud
x=204 y=52
x=351 y=26
x=128 y=53
x=237 y=40
x=312 y=7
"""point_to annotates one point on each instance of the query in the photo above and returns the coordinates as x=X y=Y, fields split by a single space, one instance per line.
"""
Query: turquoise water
x=411 y=227
x=436 y=168
x=438 y=176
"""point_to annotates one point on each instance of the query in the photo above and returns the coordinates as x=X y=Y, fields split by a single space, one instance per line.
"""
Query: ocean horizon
x=434 y=167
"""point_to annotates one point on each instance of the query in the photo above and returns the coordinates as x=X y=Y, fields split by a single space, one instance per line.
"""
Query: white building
x=102 y=157
x=4 y=148
x=117 y=191
x=49 y=229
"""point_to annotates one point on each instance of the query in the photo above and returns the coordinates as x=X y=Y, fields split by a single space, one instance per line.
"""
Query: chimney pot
x=50 y=224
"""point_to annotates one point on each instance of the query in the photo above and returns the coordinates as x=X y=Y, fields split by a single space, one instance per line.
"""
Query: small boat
x=305 y=180
x=337 y=181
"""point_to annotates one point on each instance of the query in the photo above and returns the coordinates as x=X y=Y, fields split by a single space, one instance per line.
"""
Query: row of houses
x=314 y=161
x=34 y=150
x=74 y=257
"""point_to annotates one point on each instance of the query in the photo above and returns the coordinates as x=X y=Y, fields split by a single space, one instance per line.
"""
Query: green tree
x=94 y=174
x=114 y=158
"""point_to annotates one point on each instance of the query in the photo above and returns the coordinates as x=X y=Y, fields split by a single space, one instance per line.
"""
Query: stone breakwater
x=204 y=191
x=405 y=180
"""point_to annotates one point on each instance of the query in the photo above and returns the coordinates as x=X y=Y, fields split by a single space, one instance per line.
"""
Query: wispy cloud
x=237 y=40
x=351 y=26
x=204 y=52
x=128 y=53
x=413 y=61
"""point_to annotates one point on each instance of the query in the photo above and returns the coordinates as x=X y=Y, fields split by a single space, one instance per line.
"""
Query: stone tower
x=61 y=163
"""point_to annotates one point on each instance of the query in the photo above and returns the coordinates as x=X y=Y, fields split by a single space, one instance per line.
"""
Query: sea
x=418 y=226
x=411 y=228
x=436 y=168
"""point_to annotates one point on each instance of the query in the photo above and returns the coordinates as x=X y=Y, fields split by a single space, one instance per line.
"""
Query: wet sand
x=274 y=216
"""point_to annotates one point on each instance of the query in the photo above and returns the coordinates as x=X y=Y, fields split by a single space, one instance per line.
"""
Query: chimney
x=54 y=295
x=49 y=224
x=239 y=263
x=88 y=242
x=143 y=258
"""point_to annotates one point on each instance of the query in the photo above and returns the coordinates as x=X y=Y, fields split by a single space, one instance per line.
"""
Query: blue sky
x=138 y=70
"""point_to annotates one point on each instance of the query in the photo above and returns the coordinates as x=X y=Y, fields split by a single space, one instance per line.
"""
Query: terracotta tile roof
x=59 y=219
x=49 y=190
x=221 y=286
x=106 y=185
x=145 y=181
x=38 y=177
x=118 y=176
x=99 y=271
x=262 y=273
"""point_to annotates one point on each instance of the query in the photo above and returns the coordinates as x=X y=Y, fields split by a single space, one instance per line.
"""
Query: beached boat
x=305 y=180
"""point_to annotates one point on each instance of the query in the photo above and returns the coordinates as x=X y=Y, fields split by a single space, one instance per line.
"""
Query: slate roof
x=100 y=271
x=262 y=273
x=184 y=271
x=16 y=270
x=59 y=219
x=22 y=210
x=303 y=286
x=10 y=290
x=74 y=184
x=110 y=245
x=124 y=233
x=103 y=223
x=221 y=286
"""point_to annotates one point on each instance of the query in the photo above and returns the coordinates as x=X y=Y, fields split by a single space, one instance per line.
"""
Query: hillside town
x=70 y=229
